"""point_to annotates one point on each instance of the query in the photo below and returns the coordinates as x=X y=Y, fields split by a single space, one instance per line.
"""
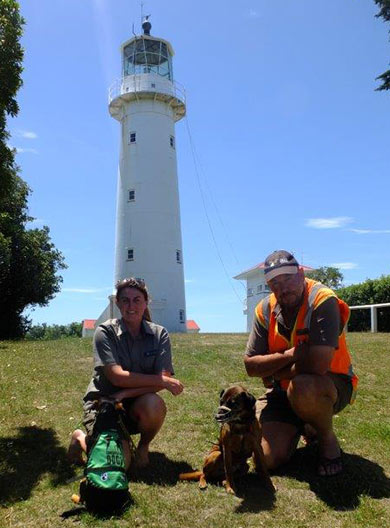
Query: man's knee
x=307 y=390
x=302 y=387
x=279 y=441
x=275 y=459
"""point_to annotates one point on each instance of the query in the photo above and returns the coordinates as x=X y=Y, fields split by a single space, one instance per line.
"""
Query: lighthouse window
x=172 y=141
x=147 y=56
x=259 y=288
x=131 y=195
x=250 y=292
x=132 y=137
x=130 y=254
x=178 y=256
x=182 y=316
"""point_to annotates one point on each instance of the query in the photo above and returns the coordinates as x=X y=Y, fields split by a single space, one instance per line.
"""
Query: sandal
x=329 y=467
x=309 y=436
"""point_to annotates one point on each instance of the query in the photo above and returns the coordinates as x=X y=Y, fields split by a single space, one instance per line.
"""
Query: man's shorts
x=275 y=407
x=90 y=412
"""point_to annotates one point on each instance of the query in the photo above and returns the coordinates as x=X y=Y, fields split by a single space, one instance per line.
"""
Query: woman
x=132 y=363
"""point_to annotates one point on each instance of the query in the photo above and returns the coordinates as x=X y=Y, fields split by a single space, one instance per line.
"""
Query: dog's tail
x=193 y=475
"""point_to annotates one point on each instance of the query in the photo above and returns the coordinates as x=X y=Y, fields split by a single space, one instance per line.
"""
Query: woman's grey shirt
x=148 y=353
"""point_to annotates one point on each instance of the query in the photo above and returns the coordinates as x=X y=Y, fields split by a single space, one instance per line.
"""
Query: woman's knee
x=149 y=407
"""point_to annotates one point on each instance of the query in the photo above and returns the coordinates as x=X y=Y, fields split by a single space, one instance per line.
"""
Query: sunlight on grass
x=41 y=387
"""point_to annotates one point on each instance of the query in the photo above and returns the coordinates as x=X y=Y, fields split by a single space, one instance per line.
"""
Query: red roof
x=191 y=325
x=89 y=324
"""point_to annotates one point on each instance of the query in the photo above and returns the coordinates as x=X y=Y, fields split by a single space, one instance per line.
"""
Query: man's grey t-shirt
x=324 y=328
x=148 y=353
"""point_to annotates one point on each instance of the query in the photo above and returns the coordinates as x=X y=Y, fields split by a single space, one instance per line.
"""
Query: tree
x=384 y=12
x=28 y=259
x=331 y=277
x=47 y=332
x=11 y=57
x=371 y=291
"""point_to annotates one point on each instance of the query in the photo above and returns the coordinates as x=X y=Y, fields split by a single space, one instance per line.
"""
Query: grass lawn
x=41 y=386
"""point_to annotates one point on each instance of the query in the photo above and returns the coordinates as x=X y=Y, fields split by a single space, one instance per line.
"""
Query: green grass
x=41 y=386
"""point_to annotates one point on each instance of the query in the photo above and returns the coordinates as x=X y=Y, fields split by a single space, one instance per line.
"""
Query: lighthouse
x=147 y=102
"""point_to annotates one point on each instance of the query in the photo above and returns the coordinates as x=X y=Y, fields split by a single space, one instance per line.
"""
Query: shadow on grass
x=341 y=492
x=255 y=496
x=25 y=458
x=161 y=470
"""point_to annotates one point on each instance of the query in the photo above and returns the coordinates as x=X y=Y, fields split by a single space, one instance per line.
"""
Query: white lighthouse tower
x=147 y=103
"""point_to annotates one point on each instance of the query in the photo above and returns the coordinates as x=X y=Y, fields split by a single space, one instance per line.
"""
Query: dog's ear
x=250 y=400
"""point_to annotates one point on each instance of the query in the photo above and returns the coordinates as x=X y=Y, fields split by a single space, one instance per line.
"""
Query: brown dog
x=239 y=439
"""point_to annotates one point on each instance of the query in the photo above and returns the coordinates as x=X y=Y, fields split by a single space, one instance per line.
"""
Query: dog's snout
x=223 y=414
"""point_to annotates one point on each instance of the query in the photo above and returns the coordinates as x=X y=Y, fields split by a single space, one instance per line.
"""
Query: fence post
x=374 y=319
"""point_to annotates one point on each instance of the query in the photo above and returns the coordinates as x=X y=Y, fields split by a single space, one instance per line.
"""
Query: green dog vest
x=106 y=462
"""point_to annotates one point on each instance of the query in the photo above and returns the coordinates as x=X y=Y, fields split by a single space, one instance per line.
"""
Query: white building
x=256 y=289
x=88 y=327
x=147 y=103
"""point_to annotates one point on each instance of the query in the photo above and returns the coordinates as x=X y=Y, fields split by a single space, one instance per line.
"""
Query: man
x=297 y=345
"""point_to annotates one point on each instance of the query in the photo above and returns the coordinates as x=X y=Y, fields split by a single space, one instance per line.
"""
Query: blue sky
x=291 y=140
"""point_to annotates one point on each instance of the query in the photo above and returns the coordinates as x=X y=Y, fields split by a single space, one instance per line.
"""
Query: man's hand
x=120 y=395
x=173 y=385
x=301 y=352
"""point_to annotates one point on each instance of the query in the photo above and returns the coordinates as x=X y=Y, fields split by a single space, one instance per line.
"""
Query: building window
x=172 y=141
x=130 y=254
x=131 y=196
x=250 y=292
x=178 y=256
x=182 y=316
x=132 y=138
x=259 y=288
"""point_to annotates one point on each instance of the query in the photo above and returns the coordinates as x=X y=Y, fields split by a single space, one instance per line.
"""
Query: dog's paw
x=75 y=498
x=228 y=488
x=202 y=483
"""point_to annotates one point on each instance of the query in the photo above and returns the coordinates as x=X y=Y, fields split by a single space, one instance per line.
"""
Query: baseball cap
x=278 y=263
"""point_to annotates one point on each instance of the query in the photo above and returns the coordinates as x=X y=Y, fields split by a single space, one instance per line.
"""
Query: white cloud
x=20 y=150
x=329 y=223
x=369 y=231
x=345 y=265
x=28 y=134
x=253 y=13
x=187 y=281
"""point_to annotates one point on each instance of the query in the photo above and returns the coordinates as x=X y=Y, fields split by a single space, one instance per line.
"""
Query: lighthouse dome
x=146 y=54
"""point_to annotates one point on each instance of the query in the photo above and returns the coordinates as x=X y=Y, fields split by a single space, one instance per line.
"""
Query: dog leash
x=127 y=436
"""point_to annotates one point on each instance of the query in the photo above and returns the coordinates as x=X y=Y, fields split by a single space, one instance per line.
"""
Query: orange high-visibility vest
x=315 y=294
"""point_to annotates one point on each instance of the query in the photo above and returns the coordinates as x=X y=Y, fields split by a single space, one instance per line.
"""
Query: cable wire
x=194 y=156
